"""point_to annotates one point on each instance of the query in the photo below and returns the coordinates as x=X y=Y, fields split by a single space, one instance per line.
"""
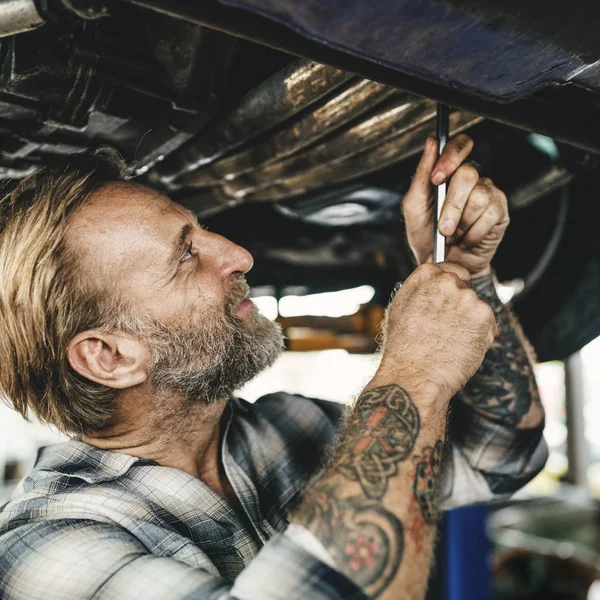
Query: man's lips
x=245 y=304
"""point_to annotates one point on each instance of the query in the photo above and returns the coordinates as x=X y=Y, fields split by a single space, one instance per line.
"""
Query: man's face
x=186 y=288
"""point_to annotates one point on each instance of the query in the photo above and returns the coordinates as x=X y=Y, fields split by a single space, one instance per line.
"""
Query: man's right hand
x=374 y=508
x=437 y=330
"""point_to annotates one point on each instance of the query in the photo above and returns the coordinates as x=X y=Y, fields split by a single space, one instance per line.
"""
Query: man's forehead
x=137 y=201
x=123 y=222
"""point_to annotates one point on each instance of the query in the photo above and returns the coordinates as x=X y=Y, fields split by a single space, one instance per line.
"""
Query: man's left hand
x=475 y=213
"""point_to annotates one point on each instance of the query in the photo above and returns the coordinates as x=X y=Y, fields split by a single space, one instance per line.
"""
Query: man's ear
x=115 y=360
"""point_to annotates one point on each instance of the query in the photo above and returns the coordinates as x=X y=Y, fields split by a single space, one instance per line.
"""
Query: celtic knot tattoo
x=389 y=425
x=427 y=481
x=364 y=538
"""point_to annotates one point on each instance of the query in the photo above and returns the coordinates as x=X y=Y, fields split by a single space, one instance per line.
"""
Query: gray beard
x=207 y=362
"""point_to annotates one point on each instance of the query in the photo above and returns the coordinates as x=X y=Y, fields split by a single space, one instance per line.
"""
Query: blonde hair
x=45 y=299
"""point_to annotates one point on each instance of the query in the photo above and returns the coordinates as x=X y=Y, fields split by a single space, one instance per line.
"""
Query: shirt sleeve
x=307 y=540
x=82 y=560
x=487 y=460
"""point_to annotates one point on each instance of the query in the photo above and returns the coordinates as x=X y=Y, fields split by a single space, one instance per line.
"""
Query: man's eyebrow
x=180 y=243
x=193 y=216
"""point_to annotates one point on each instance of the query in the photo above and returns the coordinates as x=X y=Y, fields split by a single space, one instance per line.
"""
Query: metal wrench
x=439 y=241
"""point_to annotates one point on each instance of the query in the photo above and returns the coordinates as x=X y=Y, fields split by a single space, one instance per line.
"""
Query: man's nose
x=230 y=257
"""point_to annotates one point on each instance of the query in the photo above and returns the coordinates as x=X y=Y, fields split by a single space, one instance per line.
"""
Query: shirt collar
x=78 y=459
x=94 y=465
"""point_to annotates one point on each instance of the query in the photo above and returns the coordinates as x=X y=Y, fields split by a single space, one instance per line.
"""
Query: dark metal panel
x=470 y=51
x=580 y=128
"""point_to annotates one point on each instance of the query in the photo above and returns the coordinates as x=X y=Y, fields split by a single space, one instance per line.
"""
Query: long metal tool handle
x=439 y=241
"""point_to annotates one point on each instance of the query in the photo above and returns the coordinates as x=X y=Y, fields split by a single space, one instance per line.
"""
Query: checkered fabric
x=89 y=523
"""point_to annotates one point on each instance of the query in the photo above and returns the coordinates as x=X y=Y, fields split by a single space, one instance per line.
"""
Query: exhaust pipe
x=210 y=201
x=274 y=101
x=355 y=100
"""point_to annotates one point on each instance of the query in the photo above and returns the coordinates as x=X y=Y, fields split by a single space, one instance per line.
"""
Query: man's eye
x=188 y=253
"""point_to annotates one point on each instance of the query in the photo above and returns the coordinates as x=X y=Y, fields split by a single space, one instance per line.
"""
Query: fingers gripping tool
x=439 y=241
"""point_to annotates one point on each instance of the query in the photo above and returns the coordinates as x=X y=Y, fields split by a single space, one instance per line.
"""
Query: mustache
x=238 y=290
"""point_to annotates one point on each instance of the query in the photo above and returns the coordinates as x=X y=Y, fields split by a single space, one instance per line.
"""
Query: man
x=126 y=323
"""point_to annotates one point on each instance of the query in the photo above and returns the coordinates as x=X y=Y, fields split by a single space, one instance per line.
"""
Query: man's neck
x=166 y=429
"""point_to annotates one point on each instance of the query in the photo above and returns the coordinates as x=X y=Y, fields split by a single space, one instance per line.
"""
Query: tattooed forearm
x=364 y=539
x=504 y=388
x=388 y=423
x=427 y=481
x=355 y=510
x=424 y=508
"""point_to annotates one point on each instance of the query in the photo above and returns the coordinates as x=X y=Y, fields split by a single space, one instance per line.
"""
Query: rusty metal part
x=389 y=122
x=355 y=100
x=275 y=100
x=211 y=200
x=17 y=16
x=395 y=149
x=548 y=180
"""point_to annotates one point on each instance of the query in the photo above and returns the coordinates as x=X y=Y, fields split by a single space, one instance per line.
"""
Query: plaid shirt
x=89 y=523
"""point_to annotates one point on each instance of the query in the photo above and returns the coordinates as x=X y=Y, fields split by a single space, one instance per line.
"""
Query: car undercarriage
x=294 y=129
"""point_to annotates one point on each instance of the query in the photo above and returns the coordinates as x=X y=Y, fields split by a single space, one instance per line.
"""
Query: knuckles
x=479 y=198
x=468 y=173
x=470 y=297
x=479 y=309
x=487 y=316
x=449 y=281
x=425 y=271
x=486 y=185
x=502 y=197
x=496 y=212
